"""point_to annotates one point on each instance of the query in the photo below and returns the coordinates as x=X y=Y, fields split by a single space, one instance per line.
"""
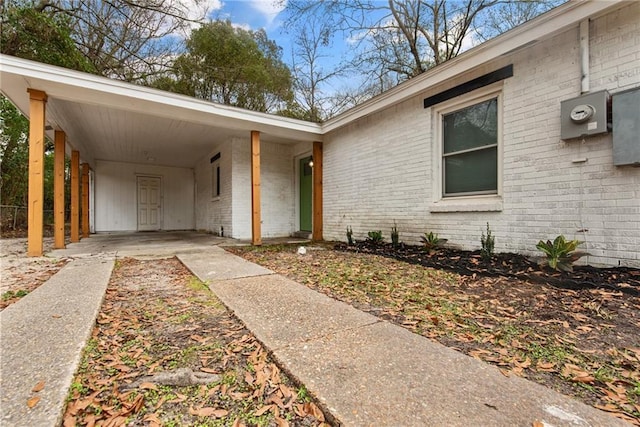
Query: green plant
x=432 y=242
x=488 y=243
x=11 y=294
x=375 y=236
x=560 y=253
x=350 y=236
x=395 y=236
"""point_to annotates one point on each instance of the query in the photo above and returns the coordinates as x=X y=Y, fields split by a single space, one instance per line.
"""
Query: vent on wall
x=626 y=127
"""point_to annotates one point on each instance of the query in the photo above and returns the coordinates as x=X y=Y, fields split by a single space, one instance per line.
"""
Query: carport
x=93 y=119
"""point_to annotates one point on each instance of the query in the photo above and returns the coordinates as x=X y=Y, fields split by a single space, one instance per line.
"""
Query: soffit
x=116 y=121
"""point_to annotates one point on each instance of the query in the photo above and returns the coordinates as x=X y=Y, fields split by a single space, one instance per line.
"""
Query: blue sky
x=253 y=15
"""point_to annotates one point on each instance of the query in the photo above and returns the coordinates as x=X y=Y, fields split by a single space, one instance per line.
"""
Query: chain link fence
x=15 y=217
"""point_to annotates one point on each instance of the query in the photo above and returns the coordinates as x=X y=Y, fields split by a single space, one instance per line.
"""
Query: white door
x=149 y=209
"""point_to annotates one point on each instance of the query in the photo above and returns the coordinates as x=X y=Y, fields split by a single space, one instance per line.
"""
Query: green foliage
x=33 y=34
x=375 y=237
x=232 y=66
x=14 y=155
x=395 y=236
x=350 y=236
x=29 y=33
x=14 y=294
x=432 y=242
x=560 y=254
x=488 y=243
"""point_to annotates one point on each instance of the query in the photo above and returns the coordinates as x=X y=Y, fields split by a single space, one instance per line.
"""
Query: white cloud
x=269 y=8
x=198 y=9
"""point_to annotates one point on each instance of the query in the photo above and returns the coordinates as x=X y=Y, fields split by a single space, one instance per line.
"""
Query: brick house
x=498 y=134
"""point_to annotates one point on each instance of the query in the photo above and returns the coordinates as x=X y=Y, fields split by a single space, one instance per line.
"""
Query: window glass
x=471 y=127
x=472 y=172
x=470 y=147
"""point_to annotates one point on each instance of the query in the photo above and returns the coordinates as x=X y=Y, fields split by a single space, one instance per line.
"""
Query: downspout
x=584 y=56
x=584 y=88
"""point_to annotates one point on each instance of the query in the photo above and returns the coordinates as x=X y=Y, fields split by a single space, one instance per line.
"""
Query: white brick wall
x=277 y=188
x=380 y=168
x=232 y=209
x=213 y=213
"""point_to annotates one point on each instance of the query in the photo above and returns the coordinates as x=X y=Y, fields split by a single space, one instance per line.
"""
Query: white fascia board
x=77 y=86
x=542 y=27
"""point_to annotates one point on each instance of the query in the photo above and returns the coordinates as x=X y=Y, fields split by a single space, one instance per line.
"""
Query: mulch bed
x=510 y=265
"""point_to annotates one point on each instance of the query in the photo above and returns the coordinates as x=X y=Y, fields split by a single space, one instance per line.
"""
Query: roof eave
x=106 y=92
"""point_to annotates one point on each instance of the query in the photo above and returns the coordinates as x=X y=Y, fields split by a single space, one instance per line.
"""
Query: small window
x=470 y=149
x=215 y=176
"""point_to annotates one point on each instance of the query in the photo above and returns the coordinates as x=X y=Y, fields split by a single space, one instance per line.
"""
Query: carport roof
x=113 y=120
x=106 y=119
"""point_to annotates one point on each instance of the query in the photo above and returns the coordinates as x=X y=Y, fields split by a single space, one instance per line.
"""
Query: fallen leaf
x=33 y=401
x=208 y=412
x=153 y=420
x=583 y=379
x=263 y=410
x=38 y=387
x=148 y=386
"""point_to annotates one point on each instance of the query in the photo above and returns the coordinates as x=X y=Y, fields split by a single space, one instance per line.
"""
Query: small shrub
x=350 y=236
x=395 y=236
x=488 y=243
x=375 y=237
x=432 y=242
x=560 y=253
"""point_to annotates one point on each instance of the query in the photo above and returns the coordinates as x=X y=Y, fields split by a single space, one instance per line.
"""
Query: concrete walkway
x=42 y=337
x=367 y=372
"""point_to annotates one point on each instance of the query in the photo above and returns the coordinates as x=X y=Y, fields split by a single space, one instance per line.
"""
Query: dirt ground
x=21 y=274
x=165 y=351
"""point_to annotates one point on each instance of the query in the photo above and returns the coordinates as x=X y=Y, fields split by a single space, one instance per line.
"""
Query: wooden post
x=317 y=190
x=58 y=190
x=75 y=196
x=256 y=236
x=35 y=209
x=85 y=200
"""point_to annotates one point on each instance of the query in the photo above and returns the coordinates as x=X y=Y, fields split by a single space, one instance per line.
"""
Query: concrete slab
x=157 y=244
x=216 y=264
x=42 y=337
x=281 y=312
x=384 y=375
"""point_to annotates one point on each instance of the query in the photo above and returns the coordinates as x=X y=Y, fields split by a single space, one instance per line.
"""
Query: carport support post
x=317 y=190
x=35 y=209
x=85 y=200
x=58 y=190
x=256 y=232
x=75 y=196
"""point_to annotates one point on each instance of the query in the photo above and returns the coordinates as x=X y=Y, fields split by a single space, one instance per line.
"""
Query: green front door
x=306 y=188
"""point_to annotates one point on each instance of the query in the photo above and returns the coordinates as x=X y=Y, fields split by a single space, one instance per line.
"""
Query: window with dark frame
x=215 y=176
x=470 y=150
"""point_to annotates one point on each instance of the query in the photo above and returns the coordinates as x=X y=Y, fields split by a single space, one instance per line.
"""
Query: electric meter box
x=585 y=115
x=626 y=127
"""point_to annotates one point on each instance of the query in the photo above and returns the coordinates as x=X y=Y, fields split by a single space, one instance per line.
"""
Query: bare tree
x=128 y=39
x=312 y=79
x=396 y=40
